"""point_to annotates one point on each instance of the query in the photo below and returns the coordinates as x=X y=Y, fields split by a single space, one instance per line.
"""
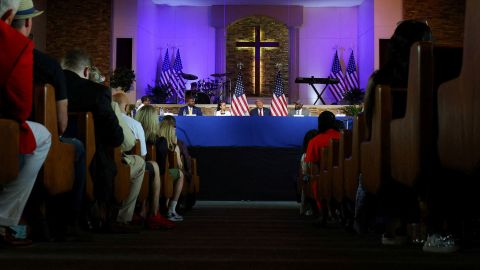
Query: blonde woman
x=154 y=219
x=165 y=139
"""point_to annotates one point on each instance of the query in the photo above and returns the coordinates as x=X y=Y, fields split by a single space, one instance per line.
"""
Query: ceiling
x=305 y=3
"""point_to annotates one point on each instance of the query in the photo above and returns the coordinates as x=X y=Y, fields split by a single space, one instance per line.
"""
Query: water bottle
x=161 y=111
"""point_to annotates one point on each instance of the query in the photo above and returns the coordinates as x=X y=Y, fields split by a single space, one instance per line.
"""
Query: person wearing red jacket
x=16 y=95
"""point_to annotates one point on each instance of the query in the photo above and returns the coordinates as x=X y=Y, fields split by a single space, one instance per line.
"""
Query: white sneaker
x=438 y=244
x=174 y=217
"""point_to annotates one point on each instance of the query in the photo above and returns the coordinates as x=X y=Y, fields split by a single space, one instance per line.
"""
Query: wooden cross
x=257 y=44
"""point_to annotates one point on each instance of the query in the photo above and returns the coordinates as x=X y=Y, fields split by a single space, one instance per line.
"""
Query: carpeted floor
x=241 y=235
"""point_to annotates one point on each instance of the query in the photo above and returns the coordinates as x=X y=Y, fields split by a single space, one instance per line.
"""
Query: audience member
x=165 y=140
x=395 y=71
x=87 y=96
x=299 y=110
x=327 y=130
x=16 y=86
x=137 y=170
x=260 y=110
x=222 y=109
x=190 y=109
x=145 y=101
x=47 y=70
x=154 y=220
x=398 y=204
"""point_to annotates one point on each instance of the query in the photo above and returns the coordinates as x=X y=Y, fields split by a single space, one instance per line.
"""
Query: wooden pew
x=122 y=179
x=411 y=136
x=352 y=156
x=191 y=188
x=58 y=169
x=85 y=132
x=336 y=166
x=144 y=191
x=195 y=188
x=9 y=143
x=166 y=179
x=375 y=153
x=325 y=176
x=459 y=104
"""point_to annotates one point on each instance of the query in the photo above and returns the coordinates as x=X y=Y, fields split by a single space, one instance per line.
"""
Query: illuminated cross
x=257 y=44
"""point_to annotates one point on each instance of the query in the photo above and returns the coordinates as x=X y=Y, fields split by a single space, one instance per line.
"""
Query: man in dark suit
x=87 y=96
x=190 y=109
x=260 y=110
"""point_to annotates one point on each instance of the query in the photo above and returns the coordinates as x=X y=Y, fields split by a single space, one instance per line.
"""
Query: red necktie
x=261 y=112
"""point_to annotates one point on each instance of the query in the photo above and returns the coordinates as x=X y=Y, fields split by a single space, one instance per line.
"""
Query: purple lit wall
x=323 y=30
x=163 y=27
x=366 y=41
x=156 y=28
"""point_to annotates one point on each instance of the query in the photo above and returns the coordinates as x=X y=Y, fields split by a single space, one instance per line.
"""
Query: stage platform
x=210 y=109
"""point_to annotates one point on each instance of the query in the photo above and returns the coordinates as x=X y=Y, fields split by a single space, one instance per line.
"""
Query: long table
x=246 y=158
x=210 y=131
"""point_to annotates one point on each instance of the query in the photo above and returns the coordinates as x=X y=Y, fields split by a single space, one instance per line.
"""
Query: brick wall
x=272 y=30
x=445 y=17
x=84 y=24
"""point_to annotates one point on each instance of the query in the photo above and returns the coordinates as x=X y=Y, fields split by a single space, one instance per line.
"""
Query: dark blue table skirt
x=246 y=158
x=210 y=131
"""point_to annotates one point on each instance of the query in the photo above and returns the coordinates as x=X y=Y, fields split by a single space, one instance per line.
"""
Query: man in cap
x=46 y=69
x=16 y=88
x=298 y=110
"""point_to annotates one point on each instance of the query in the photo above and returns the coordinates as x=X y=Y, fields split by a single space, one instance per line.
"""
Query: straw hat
x=26 y=10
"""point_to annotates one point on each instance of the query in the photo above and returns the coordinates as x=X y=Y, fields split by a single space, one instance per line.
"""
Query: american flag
x=165 y=74
x=351 y=75
x=177 y=67
x=336 y=72
x=279 y=102
x=239 y=102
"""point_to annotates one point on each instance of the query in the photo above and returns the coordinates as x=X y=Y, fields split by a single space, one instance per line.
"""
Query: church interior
x=350 y=136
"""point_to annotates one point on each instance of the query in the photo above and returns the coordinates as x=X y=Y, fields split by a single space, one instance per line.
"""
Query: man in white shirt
x=155 y=220
x=145 y=101
x=298 y=110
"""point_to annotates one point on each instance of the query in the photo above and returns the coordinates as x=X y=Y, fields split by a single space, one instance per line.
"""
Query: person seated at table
x=298 y=110
x=222 y=109
x=145 y=101
x=190 y=109
x=164 y=138
x=260 y=110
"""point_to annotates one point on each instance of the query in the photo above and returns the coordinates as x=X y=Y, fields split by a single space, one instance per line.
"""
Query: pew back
x=458 y=104
x=85 y=132
x=9 y=143
x=58 y=169
x=374 y=153
x=352 y=157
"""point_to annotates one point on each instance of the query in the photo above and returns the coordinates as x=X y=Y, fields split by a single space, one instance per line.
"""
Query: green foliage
x=158 y=92
x=352 y=110
x=122 y=77
x=353 y=96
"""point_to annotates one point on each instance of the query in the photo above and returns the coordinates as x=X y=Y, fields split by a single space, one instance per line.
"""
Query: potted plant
x=352 y=110
x=353 y=96
x=122 y=78
x=158 y=92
